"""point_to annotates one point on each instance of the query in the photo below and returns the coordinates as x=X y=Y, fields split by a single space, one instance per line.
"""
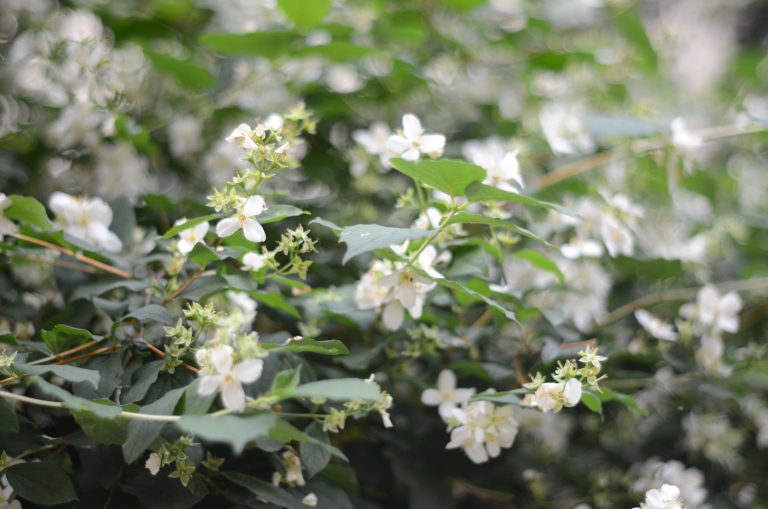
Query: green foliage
x=445 y=175
x=363 y=238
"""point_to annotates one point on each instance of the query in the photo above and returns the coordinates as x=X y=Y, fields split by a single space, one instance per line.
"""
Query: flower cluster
x=667 y=497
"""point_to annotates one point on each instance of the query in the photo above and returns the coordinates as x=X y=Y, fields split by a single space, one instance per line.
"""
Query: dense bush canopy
x=380 y=254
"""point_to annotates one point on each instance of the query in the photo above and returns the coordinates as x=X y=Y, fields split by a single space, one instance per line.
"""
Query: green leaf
x=143 y=378
x=202 y=255
x=9 y=422
x=41 y=483
x=327 y=347
x=446 y=175
x=141 y=434
x=628 y=401
x=285 y=382
x=152 y=313
x=102 y=431
x=69 y=373
x=278 y=212
x=63 y=336
x=257 y=44
x=29 y=211
x=272 y=494
x=75 y=403
x=275 y=300
x=466 y=217
x=314 y=458
x=362 y=238
x=339 y=389
x=194 y=403
x=285 y=432
x=631 y=27
x=540 y=261
x=592 y=401
x=478 y=192
x=305 y=14
x=454 y=285
x=189 y=223
x=337 y=51
x=186 y=74
x=235 y=431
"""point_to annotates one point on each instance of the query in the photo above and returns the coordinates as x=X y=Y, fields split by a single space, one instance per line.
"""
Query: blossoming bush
x=352 y=254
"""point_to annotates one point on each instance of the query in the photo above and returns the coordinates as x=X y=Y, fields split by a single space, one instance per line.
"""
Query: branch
x=638 y=147
x=78 y=256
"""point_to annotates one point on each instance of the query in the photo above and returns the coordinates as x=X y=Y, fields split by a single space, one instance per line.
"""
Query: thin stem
x=440 y=228
x=183 y=287
x=78 y=256
x=638 y=147
x=741 y=285
x=159 y=352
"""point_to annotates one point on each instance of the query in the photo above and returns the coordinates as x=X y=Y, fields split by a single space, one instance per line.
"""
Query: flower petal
x=254 y=206
x=412 y=127
x=227 y=227
x=254 y=231
x=209 y=384
x=248 y=371
x=233 y=397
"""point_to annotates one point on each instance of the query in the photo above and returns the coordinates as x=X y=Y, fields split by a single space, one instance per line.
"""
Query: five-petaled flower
x=191 y=236
x=447 y=396
x=410 y=142
x=243 y=218
x=226 y=377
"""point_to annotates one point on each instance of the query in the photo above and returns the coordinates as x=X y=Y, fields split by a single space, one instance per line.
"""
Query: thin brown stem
x=183 y=287
x=678 y=294
x=78 y=256
x=159 y=352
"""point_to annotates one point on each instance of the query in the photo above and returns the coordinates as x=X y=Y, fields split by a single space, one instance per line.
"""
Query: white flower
x=229 y=379
x=618 y=238
x=374 y=139
x=503 y=173
x=253 y=231
x=6 y=225
x=715 y=312
x=153 y=463
x=564 y=131
x=552 y=397
x=344 y=79
x=86 y=218
x=668 y=497
x=254 y=261
x=446 y=397
x=274 y=122
x=6 y=494
x=483 y=430
x=409 y=291
x=310 y=500
x=191 y=236
x=654 y=326
x=682 y=138
x=184 y=134
x=411 y=142
x=580 y=247
x=243 y=135
x=121 y=171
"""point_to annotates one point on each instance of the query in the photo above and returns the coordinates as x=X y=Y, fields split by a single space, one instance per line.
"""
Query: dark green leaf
x=314 y=458
x=285 y=432
x=9 y=422
x=151 y=313
x=592 y=401
x=141 y=434
x=272 y=494
x=69 y=373
x=74 y=403
x=41 y=483
x=63 y=336
x=275 y=300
